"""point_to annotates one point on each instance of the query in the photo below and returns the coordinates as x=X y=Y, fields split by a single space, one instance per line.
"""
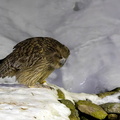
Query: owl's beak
x=62 y=61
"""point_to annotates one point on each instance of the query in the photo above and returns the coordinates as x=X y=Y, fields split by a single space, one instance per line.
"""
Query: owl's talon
x=44 y=81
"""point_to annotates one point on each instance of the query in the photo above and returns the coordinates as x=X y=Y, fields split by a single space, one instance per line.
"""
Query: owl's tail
x=6 y=68
x=1 y=71
x=3 y=68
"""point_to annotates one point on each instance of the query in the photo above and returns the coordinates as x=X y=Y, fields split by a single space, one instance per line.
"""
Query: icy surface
x=90 y=28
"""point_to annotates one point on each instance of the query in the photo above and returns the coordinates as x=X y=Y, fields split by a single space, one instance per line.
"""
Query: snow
x=90 y=28
x=18 y=103
x=31 y=104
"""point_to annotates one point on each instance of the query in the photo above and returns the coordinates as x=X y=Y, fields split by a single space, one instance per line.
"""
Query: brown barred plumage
x=33 y=59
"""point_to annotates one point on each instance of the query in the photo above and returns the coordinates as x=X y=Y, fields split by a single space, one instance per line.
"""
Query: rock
x=74 y=113
x=102 y=95
x=112 y=117
x=111 y=107
x=68 y=103
x=91 y=109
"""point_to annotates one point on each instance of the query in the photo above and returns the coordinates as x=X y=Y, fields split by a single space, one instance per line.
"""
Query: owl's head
x=58 y=56
x=55 y=53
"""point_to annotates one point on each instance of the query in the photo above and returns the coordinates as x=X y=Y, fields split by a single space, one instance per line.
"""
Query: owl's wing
x=12 y=64
x=26 y=61
x=27 y=53
x=22 y=57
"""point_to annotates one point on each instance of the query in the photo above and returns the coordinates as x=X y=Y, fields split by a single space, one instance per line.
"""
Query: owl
x=33 y=60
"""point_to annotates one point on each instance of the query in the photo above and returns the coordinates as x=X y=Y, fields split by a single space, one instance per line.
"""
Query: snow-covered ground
x=18 y=103
x=90 y=28
x=31 y=104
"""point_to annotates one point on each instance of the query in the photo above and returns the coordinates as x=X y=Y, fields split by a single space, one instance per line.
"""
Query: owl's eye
x=58 y=56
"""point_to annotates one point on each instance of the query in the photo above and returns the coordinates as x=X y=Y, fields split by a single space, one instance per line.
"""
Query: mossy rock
x=91 y=109
x=116 y=89
x=111 y=107
x=68 y=103
x=102 y=95
x=74 y=113
x=60 y=94
x=113 y=117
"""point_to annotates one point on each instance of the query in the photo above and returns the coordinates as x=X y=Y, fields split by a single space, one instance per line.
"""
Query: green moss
x=60 y=94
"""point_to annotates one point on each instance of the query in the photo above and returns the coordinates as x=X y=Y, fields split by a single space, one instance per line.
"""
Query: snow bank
x=90 y=28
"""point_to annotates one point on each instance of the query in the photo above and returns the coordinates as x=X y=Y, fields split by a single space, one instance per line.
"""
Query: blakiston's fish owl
x=33 y=59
